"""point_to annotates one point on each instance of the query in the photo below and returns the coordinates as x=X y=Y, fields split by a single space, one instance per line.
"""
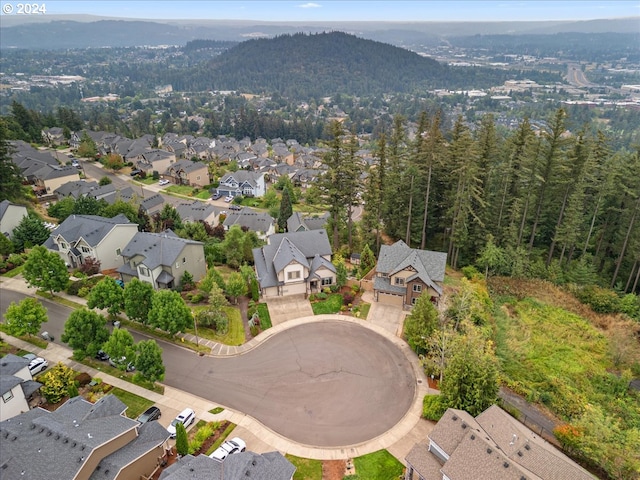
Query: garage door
x=389 y=299
x=294 y=289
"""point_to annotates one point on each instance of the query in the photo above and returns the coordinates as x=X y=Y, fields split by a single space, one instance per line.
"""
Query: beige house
x=153 y=160
x=82 y=236
x=294 y=263
x=51 y=177
x=403 y=274
x=10 y=216
x=491 y=446
x=186 y=172
x=16 y=386
x=81 y=441
x=161 y=259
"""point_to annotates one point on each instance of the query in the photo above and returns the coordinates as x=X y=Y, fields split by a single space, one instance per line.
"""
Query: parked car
x=30 y=356
x=135 y=172
x=216 y=196
x=235 y=207
x=163 y=182
x=123 y=361
x=76 y=164
x=228 y=198
x=47 y=337
x=102 y=355
x=186 y=417
x=38 y=365
x=150 y=414
x=235 y=445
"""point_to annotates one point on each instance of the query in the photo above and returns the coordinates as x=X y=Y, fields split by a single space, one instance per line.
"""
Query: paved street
x=333 y=379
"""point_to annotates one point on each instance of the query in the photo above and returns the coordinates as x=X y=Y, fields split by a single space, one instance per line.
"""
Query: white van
x=186 y=417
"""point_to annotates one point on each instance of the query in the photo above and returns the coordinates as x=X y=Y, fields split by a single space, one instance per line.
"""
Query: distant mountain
x=79 y=31
x=304 y=66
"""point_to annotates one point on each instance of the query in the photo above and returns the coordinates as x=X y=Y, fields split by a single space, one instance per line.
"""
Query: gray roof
x=157 y=248
x=429 y=266
x=186 y=165
x=297 y=222
x=153 y=201
x=242 y=176
x=239 y=466
x=75 y=188
x=92 y=228
x=11 y=364
x=150 y=436
x=4 y=206
x=319 y=262
x=43 y=445
x=283 y=248
x=7 y=382
x=196 y=211
x=254 y=221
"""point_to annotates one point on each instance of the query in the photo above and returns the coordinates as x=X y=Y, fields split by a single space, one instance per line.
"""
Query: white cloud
x=309 y=5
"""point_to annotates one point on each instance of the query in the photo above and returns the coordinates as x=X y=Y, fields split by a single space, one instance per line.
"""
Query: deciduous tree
x=138 y=297
x=25 y=317
x=149 y=360
x=85 y=331
x=45 y=270
x=120 y=344
x=169 y=312
x=236 y=286
x=107 y=294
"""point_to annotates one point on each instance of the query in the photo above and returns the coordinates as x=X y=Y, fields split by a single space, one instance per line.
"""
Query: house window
x=293 y=275
x=184 y=259
x=327 y=281
x=144 y=271
x=399 y=281
x=414 y=300
x=177 y=264
x=198 y=177
x=85 y=249
x=118 y=251
x=64 y=245
x=417 y=287
x=7 y=396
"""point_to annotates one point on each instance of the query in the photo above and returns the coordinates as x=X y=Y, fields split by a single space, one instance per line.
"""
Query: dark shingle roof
x=92 y=228
x=11 y=364
x=157 y=248
x=43 y=445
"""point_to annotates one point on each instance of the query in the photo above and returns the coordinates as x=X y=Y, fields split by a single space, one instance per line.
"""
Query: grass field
x=265 y=318
x=136 y=404
x=559 y=359
x=380 y=465
x=306 y=468
x=235 y=335
x=331 y=305
x=180 y=190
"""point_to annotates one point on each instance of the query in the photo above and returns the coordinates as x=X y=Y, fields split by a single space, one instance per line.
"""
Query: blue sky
x=335 y=10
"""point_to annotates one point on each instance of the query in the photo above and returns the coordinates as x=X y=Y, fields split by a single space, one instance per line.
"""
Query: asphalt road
x=325 y=384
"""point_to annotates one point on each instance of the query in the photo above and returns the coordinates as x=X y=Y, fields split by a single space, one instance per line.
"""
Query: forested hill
x=302 y=65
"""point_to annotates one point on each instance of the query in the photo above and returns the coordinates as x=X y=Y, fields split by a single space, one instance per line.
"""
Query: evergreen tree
x=10 y=176
x=182 y=441
x=420 y=324
x=286 y=210
x=30 y=232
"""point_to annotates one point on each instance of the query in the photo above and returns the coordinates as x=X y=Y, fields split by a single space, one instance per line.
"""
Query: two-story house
x=491 y=446
x=82 y=236
x=151 y=161
x=10 y=216
x=161 y=259
x=294 y=263
x=186 y=172
x=404 y=273
x=16 y=386
x=250 y=184
x=81 y=440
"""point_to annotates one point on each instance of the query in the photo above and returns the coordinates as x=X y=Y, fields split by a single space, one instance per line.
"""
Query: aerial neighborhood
x=407 y=253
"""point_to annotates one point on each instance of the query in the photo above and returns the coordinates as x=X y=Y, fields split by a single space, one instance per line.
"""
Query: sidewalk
x=398 y=441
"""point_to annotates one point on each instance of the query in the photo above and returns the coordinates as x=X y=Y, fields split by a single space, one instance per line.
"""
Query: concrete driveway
x=289 y=307
x=389 y=317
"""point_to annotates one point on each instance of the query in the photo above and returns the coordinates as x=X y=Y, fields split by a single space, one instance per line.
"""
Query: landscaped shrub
x=347 y=298
x=16 y=259
x=471 y=272
x=432 y=407
x=202 y=434
x=83 y=292
x=74 y=287
x=322 y=296
x=83 y=379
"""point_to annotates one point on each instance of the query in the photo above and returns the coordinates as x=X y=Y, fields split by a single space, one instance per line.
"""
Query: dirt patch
x=333 y=469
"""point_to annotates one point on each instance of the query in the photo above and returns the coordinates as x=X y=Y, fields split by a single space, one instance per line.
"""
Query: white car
x=186 y=417
x=228 y=198
x=37 y=365
x=164 y=182
x=235 y=445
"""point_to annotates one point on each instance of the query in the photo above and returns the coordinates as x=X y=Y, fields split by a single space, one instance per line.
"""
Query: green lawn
x=380 y=465
x=306 y=468
x=364 y=310
x=136 y=404
x=130 y=377
x=203 y=194
x=147 y=180
x=180 y=190
x=32 y=339
x=331 y=305
x=265 y=318
x=14 y=272
x=60 y=300
x=235 y=335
